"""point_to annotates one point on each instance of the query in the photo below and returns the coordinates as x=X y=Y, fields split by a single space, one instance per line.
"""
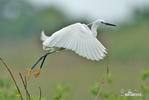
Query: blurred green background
x=21 y=23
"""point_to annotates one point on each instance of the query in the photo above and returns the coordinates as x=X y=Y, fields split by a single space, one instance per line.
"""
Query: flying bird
x=77 y=37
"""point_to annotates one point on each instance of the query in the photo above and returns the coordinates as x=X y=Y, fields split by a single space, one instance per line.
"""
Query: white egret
x=77 y=37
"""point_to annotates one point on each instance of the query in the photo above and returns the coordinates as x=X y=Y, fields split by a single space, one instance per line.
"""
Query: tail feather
x=43 y=36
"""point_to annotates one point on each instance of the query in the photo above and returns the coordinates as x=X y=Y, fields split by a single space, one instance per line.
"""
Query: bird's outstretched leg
x=29 y=70
x=38 y=70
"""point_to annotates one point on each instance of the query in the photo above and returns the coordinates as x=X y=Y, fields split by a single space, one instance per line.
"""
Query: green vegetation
x=63 y=92
x=144 y=90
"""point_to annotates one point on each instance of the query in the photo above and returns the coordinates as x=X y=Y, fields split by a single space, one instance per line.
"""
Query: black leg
x=37 y=62
x=45 y=58
x=43 y=61
x=42 y=57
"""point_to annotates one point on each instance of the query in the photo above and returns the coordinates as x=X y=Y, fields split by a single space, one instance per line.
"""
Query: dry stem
x=39 y=93
x=12 y=77
x=104 y=81
x=25 y=86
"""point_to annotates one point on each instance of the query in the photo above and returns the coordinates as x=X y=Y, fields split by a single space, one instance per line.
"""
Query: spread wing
x=78 y=38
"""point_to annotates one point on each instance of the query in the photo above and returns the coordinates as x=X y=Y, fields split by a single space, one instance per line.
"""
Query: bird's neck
x=94 y=29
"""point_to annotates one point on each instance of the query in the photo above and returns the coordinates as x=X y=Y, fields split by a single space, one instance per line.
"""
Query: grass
x=63 y=91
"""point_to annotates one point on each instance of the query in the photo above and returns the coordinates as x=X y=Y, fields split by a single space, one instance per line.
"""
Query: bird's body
x=78 y=38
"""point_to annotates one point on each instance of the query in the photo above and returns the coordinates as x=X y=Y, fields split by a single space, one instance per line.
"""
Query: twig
x=12 y=77
x=39 y=93
x=104 y=81
x=25 y=86
x=25 y=81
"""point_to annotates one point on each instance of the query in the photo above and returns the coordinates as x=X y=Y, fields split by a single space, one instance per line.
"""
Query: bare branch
x=40 y=93
x=25 y=87
x=25 y=81
x=104 y=81
x=6 y=66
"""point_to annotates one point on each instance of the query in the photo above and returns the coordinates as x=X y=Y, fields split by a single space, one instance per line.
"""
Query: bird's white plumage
x=78 y=38
x=43 y=36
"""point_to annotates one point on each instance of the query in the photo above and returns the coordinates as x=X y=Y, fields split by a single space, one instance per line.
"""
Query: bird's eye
x=102 y=22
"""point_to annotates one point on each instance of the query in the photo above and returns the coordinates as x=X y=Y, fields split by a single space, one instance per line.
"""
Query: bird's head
x=100 y=21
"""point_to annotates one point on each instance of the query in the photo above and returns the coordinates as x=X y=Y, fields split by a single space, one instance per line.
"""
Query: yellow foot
x=28 y=73
x=37 y=73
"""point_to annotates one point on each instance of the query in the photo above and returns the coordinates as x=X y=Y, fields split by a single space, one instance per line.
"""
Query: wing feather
x=78 y=39
x=69 y=44
x=83 y=50
x=88 y=52
x=93 y=49
x=98 y=53
x=79 y=47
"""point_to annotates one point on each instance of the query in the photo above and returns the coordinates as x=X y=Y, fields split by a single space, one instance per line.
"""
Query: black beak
x=108 y=24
